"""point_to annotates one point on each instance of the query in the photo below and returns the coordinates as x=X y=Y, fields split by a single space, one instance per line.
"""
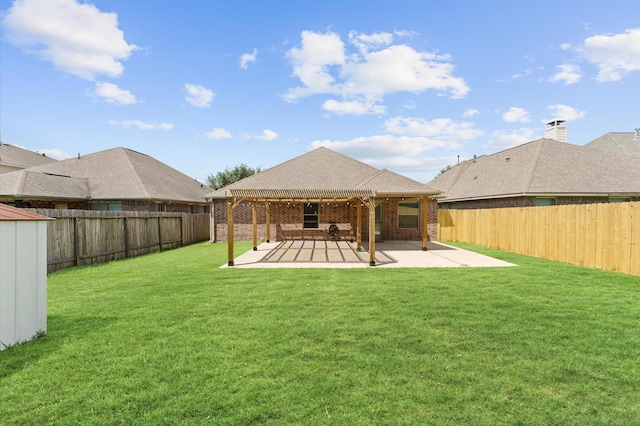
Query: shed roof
x=10 y=213
x=322 y=173
x=541 y=167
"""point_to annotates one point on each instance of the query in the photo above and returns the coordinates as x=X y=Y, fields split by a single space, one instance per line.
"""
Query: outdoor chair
x=333 y=232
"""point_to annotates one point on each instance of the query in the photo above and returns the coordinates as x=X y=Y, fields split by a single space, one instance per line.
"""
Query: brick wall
x=520 y=202
x=137 y=206
x=287 y=220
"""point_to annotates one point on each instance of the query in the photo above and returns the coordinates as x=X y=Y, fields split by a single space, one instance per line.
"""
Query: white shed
x=23 y=275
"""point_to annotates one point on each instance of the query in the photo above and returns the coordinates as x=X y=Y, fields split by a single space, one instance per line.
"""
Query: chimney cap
x=555 y=122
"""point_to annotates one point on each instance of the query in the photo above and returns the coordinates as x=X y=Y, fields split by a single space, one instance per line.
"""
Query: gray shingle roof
x=29 y=184
x=114 y=174
x=13 y=158
x=541 y=167
x=324 y=170
x=619 y=142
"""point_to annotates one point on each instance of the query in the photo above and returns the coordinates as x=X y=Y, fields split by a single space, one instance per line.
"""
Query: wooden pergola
x=359 y=197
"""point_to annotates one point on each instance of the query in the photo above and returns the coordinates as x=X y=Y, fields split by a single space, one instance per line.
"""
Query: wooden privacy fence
x=604 y=236
x=83 y=237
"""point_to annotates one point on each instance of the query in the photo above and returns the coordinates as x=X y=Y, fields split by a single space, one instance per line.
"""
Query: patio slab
x=343 y=254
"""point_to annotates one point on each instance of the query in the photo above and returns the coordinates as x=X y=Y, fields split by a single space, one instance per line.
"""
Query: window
x=107 y=206
x=545 y=201
x=408 y=215
x=310 y=215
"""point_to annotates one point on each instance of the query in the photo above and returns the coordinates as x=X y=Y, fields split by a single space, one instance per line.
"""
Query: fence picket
x=82 y=237
x=603 y=235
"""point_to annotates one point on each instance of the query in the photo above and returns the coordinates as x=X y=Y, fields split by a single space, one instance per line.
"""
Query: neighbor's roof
x=541 y=167
x=322 y=173
x=19 y=158
x=626 y=143
x=13 y=213
x=29 y=184
x=114 y=174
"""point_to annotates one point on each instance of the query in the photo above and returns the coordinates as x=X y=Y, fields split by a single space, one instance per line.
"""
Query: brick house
x=301 y=199
x=543 y=172
x=115 y=179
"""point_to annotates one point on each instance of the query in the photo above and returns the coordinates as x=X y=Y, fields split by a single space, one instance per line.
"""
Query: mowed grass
x=170 y=338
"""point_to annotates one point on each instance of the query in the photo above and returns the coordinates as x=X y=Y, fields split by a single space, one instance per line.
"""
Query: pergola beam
x=359 y=196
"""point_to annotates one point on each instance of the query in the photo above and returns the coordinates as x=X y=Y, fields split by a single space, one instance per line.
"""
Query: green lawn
x=170 y=338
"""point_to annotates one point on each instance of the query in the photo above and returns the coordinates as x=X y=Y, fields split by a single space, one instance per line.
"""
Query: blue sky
x=403 y=85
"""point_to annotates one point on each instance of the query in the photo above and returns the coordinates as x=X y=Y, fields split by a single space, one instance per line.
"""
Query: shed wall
x=23 y=281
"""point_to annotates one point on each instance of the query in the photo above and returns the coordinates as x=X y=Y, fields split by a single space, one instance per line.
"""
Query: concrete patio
x=344 y=254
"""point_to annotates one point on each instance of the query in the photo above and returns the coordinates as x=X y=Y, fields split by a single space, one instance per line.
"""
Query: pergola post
x=425 y=222
x=350 y=221
x=254 y=217
x=230 y=231
x=359 y=225
x=372 y=232
x=268 y=219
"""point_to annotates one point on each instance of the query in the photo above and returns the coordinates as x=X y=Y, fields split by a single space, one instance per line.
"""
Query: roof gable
x=323 y=169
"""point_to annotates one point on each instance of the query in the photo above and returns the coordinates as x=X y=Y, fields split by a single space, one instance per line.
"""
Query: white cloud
x=248 y=58
x=503 y=140
x=311 y=63
x=324 y=65
x=217 y=133
x=76 y=37
x=439 y=128
x=515 y=115
x=198 y=96
x=565 y=112
x=56 y=153
x=525 y=73
x=112 y=94
x=365 y=42
x=470 y=113
x=615 y=55
x=142 y=125
x=401 y=68
x=267 y=135
x=568 y=73
x=408 y=145
x=383 y=146
x=352 y=107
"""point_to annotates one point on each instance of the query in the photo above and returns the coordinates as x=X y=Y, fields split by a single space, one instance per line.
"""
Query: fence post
x=126 y=238
x=159 y=234
x=76 y=240
x=183 y=224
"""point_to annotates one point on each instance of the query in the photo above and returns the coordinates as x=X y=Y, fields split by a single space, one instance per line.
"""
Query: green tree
x=446 y=169
x=229 y=176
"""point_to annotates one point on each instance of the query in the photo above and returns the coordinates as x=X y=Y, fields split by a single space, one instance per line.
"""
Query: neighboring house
x=301 y=199
x=542 y=172
x=627 y=143
x=115 y=179
x=13 y=158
